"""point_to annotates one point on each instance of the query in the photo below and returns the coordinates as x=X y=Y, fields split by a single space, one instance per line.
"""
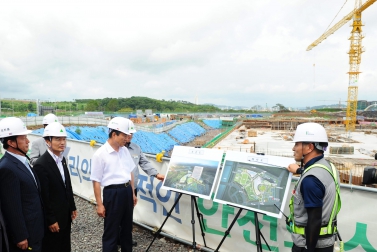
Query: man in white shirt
x=112 y=167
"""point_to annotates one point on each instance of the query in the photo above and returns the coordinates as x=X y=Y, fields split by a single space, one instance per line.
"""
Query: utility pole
x=37 y=102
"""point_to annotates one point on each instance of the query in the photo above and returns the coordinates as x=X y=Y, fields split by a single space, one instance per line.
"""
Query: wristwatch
x=299 y=170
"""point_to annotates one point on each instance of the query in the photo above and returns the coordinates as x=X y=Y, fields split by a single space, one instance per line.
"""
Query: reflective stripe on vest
x=330 y=228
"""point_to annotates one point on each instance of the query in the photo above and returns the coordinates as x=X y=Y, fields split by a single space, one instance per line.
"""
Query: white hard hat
x=12 y=126
x=311 y=133
x=55 y=129
x=49 y=118
x=121 y=124
x=131 y=127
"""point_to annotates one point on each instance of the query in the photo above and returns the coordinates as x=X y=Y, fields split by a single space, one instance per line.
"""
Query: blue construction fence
x=148 y=141
x=216 y=124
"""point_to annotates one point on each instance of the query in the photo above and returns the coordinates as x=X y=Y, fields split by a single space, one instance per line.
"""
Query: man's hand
x=293 y=168
x=101 y=211
x=23 y=244
x=54 y=228
x=134 y=199
x=160 y=176
x=97 y=193
x=74 y=215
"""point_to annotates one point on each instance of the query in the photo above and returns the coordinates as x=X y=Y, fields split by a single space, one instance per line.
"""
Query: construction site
x=350 y=153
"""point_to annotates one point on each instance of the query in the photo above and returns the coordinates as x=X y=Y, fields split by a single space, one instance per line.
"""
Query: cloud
x=226 y=52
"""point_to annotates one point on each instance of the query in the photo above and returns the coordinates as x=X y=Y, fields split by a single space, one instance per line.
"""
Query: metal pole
x=167 y=216
x=193 y=223
x=257 y=233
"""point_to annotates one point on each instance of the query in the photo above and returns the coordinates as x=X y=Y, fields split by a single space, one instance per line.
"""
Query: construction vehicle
x=355 y=52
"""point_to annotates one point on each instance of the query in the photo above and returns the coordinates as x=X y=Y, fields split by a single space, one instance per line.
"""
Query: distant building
x=44 y=110
x=362 y=104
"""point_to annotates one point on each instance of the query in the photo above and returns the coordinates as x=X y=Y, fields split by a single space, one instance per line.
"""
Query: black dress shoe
x=134 y=243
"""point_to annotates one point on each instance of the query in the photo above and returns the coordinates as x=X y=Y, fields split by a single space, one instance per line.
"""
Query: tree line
x=112 y=105
x=138 y=102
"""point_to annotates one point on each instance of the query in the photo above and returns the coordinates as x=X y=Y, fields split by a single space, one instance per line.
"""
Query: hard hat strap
x=20 y=150
x=302 y=150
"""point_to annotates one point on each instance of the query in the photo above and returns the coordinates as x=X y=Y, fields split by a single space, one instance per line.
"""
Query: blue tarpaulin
x=216 y=124
x=149 y=142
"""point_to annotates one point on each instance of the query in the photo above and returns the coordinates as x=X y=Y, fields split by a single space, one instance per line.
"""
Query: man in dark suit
x=38 y=147
x=4 y=247
x=21 y=202
x=56 y=189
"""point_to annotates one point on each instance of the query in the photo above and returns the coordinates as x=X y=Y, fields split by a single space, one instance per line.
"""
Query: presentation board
x=254 y=182
x=193 y=171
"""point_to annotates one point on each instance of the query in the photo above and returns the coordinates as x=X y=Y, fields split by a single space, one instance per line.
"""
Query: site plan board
x=254 y=182
x=193 y=171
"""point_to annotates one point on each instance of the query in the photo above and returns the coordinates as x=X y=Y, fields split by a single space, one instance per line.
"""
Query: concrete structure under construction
x=350 y=154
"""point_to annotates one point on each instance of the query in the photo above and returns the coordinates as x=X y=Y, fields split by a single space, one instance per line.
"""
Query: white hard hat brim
x=127 y=133
x=26 y=132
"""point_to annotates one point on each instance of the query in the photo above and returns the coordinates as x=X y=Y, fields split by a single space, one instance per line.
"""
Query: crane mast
x=354 y=53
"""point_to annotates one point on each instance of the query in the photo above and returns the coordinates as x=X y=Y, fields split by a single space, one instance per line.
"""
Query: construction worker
x=140 y=160
x=315 y=202
x=112 y=167
x=21 y=201
x=38 y=147
x=56 y=190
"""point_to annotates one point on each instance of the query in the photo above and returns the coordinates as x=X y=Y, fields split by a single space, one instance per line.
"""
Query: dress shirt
x=23 y=160
x=140 y=160
x=110 y=167
x=58 y=160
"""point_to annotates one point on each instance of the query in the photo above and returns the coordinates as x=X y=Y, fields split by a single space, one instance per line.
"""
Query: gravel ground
x=87 y=232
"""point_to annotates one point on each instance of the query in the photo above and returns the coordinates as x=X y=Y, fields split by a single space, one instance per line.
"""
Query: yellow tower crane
x=355 y=52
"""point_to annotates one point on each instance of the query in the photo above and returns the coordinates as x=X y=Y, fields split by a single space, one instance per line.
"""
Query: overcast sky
x=236 y=52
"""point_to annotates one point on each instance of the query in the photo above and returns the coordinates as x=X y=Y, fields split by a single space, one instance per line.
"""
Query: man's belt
x=118 y=185
x=327 y=230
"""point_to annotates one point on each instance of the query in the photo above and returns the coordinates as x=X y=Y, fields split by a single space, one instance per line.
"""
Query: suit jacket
x=57 y=196
x=4 y=246
x=38 y=148
x=21 y=201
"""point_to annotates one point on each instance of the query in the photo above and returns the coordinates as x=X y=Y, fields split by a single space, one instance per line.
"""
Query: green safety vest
x=330 y=228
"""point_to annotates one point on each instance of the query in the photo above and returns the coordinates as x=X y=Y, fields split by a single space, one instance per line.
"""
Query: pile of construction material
x=256 y=124
x=136 y=120
x=287 y=137
x=337 y=137
x=198 y=142
x=242 y=131
x=367 y=152
x=349 y=174
x=252 y=133
x=345 y=149
x=246 y=141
